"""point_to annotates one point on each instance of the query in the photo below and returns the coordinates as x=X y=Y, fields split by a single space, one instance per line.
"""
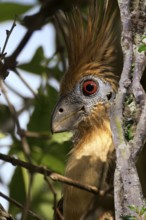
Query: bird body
x=89 y=156
x=87 y=90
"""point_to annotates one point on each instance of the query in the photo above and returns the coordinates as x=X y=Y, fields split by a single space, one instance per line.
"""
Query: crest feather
x=95 y=41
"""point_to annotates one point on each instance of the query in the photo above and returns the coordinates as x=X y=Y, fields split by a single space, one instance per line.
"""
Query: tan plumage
x=95 y=62
x=86 y=163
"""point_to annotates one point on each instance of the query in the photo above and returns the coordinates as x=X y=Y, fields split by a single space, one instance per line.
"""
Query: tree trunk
x=128 y=115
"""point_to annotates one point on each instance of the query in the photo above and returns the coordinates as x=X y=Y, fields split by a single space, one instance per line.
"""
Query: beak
x=66 y=115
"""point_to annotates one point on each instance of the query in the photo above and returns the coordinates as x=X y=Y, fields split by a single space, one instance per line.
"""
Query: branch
x=10 y=62
x=47 y=172
x=33 y=23
x=33 y=134
x=17 y=204
x=127 y=187
x=138 y=91
x=8 y=33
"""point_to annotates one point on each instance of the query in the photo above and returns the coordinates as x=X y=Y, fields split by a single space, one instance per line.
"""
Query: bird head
x=77 y=105
x=95 y=61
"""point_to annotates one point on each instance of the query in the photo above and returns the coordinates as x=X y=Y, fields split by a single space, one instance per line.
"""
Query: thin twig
x=32 y=23
x=26 y=148
x=11 y=107
x=25 y=145
x=8 y=34
x=59 y=214
x=26 y=83
x=28 y=199
x=17 y=204
x=34 y=134
x=52 y=190
x=56 y=209
x=14 y=91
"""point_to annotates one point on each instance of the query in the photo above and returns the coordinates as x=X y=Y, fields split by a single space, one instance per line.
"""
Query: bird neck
x=90 y=153
x=92 y=144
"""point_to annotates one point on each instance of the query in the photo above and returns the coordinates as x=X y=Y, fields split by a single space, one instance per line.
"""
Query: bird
x=87 y=91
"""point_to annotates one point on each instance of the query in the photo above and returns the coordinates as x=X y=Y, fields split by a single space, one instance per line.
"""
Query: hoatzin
x=87 y=89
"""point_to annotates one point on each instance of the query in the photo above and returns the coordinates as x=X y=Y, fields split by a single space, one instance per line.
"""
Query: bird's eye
x=89 y=87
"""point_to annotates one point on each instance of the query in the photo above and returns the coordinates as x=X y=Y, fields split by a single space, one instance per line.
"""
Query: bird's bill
x=65 y=116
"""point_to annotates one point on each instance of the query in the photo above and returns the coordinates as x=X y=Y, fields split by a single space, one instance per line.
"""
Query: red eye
x=89 y=87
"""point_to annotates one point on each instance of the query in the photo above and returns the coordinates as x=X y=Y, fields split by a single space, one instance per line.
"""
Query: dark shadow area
x=141 y=163
x=143 y=80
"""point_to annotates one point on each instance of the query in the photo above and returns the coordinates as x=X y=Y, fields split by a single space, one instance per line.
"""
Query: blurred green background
x=33 y=91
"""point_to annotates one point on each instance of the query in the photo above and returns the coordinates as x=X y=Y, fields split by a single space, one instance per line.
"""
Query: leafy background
x=33 y=91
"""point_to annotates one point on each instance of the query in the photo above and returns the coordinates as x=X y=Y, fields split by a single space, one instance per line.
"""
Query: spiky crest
x=93 y=47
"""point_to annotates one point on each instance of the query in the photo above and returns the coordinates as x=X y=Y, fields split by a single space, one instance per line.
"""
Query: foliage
x=43 y=148
x=138 y=213
x=130 y=114
x=143 y=45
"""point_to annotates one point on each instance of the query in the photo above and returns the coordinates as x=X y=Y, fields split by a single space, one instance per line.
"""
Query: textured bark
x=127 y=187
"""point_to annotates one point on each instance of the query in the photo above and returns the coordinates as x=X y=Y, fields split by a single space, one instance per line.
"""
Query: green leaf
x=2 y=135
x=53 y=163
x=8 y=11
x=142 y=48
x=36 y=64
x=43 y=107
x=132 y=207
x=127 y=217
x=6 y=120
x=62 y=137
x=42 y=198
x=142 y=211
x=39 y=120
x=17 y=190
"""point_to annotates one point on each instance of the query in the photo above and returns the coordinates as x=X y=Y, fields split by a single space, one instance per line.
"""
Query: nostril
x=82 y=109
x=61 y=110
